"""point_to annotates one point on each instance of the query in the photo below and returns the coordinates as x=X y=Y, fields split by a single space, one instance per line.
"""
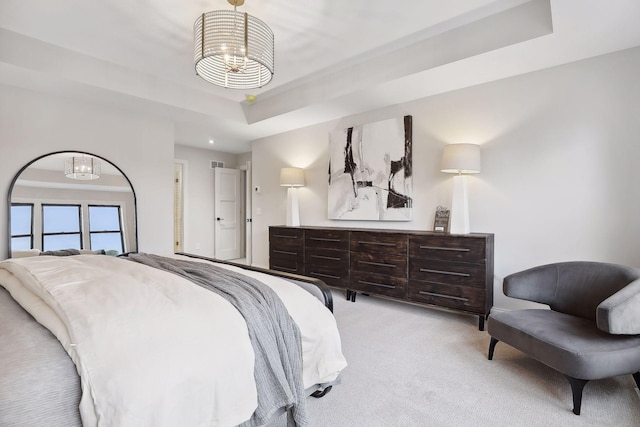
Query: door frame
x=185 y=202
x=248 y=216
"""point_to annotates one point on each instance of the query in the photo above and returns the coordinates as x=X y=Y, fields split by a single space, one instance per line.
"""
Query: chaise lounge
x=592 y=330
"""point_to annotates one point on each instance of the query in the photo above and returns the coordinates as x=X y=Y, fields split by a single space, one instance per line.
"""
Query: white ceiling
x=334 y=58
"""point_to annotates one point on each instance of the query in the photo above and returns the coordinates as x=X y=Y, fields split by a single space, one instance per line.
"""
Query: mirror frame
x=17 y=175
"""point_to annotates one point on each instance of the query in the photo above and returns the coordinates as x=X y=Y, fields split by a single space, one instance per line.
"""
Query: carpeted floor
x=416 y=366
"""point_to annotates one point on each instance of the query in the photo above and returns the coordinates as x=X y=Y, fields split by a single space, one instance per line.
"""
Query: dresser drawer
x=381 y=284
x=389 y=265
x=327 y=239
x=286 y=249
x=328 y=257
x=448 y=248
x=287 y=240
x=378 y=243
x=334 y=275
x=287 y=263
x=448 y=272
x=451 y=296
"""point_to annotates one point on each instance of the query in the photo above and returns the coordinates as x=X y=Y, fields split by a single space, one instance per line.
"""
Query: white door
x=227 y=211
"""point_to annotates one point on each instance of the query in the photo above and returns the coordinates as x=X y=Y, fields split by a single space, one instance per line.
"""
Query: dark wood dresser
x=451 y=271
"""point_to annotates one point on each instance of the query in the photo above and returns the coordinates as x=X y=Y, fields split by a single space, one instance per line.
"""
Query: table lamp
x=460 y=159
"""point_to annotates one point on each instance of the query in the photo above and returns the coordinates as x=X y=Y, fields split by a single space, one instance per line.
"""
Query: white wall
x=199 y=218
x=560 y=170
x=32 y=124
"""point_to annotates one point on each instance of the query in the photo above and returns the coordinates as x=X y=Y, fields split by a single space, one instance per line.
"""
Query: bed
x=97 y=340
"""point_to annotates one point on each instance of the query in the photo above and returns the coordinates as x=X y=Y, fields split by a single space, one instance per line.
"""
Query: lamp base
x=293 y=212
x=459 y=207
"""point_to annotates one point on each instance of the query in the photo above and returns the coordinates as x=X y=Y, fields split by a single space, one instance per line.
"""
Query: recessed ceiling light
x=211 y=141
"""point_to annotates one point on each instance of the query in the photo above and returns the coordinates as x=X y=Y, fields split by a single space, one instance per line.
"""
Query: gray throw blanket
x=274 y=335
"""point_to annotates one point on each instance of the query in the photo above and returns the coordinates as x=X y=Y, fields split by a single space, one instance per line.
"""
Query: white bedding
x=153 y=349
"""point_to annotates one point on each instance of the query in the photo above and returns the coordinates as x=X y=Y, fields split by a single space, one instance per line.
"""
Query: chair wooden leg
x=576 y=388
x=636 y=377
x=492 y=346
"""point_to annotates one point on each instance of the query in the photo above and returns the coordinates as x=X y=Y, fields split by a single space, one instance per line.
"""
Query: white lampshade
x=292 y=177
x=461 y=158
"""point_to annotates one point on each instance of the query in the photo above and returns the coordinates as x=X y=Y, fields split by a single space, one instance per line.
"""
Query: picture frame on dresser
x=441 y=221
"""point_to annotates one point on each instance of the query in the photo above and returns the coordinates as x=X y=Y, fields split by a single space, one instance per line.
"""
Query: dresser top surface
x=387 y=230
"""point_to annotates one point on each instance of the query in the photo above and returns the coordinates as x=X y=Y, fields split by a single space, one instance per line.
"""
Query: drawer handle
x=380 y=285
x=331 y=258
x=363 y=242
x=279 y=267
x=324 y=239
x=433 y=294
x=450 y=273
x=313 y=273
x=377 y=264
x=439 y=248
x=285 y=236
x=275 y=251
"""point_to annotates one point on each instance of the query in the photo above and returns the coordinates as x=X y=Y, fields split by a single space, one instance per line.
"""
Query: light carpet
x=418 y=366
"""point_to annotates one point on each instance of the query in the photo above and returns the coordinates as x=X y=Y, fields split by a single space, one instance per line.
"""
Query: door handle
x=219 y=219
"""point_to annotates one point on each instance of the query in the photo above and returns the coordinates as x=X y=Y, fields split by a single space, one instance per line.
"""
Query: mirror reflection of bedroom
x=72 y=201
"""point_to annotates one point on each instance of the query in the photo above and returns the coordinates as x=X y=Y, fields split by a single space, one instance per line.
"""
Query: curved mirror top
x=70 y=202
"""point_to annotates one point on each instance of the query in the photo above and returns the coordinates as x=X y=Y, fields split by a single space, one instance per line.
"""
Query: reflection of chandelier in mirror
x=233 y=49
x=83 y=168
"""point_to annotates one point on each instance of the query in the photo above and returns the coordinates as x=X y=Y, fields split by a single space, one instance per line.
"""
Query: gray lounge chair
x=592 y=330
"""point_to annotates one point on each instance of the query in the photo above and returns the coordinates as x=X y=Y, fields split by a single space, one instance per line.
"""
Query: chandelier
x=233 y=49
x=82 y=168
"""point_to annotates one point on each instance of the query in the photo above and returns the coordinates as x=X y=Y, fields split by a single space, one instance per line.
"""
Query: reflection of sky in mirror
x=60 y=219
x=106 y=241
x=20 y=243
x=61 y=241
x=20 y=220
x=104 y=218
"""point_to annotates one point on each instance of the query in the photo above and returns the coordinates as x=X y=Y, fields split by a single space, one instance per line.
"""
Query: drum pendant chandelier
x=233 y=49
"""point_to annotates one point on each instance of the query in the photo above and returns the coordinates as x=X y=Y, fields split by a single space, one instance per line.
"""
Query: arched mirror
x=71 y=201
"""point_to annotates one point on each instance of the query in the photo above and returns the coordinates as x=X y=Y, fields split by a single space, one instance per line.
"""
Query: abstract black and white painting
x=370 y=171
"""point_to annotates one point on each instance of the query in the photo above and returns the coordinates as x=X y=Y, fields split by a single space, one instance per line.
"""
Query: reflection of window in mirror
x=105 y=228
x=22 y=226
x=64 y=225
x=61 y=227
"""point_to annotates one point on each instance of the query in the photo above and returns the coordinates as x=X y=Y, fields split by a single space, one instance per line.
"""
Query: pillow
x=25 y=253
x=620 y=313
x=61 y=252
x=90 y=252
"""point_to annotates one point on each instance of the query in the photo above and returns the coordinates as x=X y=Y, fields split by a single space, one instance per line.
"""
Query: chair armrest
x=537 y=284
x=620 y=313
